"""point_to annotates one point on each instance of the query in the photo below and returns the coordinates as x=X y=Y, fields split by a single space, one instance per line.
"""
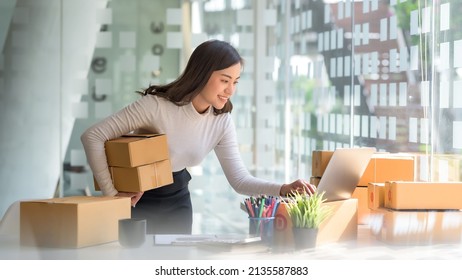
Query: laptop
x=343 y=172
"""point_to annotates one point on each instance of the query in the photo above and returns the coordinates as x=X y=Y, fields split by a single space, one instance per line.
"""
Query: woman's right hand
x=135 y=196
x=300 y=186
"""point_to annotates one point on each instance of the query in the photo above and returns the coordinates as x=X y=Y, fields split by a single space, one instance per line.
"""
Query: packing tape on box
x=156 y=175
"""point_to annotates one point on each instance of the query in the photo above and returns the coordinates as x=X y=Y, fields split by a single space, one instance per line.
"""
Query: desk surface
x=365 y=247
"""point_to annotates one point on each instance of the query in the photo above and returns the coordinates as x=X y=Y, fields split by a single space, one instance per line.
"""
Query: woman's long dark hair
x=208 y=57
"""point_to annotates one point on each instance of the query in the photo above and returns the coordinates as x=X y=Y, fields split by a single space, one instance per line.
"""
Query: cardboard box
x=141 y=178
x=381 y=168
x=416 y=227
x=376 y=195
x=360 y=193
x=72 y=222
x=423 y=195
x=136 y=149
x=342 y=225
x=319 y=162
x=388 y=167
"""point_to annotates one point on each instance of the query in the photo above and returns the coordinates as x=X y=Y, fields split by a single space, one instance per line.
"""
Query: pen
x=276 y=205
x=249 y=208
x=262 y=205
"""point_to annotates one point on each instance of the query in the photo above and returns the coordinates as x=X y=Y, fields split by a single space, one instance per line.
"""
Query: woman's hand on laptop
x=300 y=186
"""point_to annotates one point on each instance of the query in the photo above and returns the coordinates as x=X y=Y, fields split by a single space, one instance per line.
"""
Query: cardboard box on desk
x=423 y=195
x=388 y=167
x=416 y=227
x=133 y=150
x=381 y=168
x=141 y=178
x=320 y=159
x=72 y=222
x=342 y=225
x=360 y=193
x=376 y=195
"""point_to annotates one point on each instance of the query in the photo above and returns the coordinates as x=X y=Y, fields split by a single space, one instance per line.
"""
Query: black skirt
x=167 y=209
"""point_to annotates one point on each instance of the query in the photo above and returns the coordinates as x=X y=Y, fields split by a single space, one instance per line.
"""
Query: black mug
x=132 y=232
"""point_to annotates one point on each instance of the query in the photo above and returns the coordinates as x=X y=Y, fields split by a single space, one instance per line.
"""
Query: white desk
x=364 y=248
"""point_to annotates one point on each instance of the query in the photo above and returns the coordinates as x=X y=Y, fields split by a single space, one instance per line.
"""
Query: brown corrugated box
x=342 y=225
x=416 y=227
x=381 y=168
x=138 y=162
x=360 y=193
x=319 y=162
x=423 y=195
x=72 y=222
x=136 y=149
x=376 y=195
x=141 y=178
x=388 y=167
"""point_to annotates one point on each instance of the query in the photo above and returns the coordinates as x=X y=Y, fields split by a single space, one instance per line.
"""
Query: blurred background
x=318 y=75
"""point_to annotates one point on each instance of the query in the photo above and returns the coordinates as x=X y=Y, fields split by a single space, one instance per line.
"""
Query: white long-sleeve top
x=190 y=136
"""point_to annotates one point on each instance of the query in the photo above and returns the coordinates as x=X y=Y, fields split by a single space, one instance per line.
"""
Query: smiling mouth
x=224 y=98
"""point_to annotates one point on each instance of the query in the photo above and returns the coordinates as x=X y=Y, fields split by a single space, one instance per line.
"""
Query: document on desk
x=201 y=239
x=180 y=239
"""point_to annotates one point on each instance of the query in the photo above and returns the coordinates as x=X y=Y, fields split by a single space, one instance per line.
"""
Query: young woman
x=194 y=112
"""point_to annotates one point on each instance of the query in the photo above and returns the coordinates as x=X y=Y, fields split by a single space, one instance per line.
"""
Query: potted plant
x=306 y=212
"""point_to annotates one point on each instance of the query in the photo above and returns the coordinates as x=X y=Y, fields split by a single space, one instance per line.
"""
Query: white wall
x=47 y=53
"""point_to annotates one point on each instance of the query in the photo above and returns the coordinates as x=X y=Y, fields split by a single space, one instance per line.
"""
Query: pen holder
x=132 y=232
x=263 y=227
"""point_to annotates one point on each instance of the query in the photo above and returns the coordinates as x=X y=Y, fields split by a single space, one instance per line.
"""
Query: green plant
x=307 y=211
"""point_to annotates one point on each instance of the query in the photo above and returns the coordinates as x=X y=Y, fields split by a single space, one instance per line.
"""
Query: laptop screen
x=343 y=172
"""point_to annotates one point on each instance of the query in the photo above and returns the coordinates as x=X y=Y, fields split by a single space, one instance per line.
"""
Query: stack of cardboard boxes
x=381 y=168
x=416 y=213
x=138 y=162
x=398 y=209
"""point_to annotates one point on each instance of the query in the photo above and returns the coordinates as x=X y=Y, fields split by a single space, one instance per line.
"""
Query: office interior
x=318 y=75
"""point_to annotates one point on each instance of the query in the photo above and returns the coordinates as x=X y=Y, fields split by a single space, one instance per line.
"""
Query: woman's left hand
x=299 y=185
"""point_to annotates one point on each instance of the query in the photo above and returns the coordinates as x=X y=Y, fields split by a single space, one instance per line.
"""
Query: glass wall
x=318 y=75
x=376 y=73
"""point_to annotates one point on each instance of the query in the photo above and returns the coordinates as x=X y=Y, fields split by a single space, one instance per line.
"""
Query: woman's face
x=219 y=88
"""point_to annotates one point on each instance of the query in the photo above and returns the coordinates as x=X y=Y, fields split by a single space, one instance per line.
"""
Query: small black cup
x=132 y=232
